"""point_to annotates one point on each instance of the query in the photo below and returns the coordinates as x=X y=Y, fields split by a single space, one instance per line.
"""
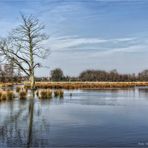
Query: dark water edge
x=88 y=118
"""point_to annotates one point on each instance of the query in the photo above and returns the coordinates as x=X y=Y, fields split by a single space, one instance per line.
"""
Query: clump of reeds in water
x=49 y=94
x=0 y=95
x=44 y=94
x=10 y=95
x=3 y=96
x=18 y=89
x=6 y=95
x=59 y=93
x=37 y=93
x=22 y=95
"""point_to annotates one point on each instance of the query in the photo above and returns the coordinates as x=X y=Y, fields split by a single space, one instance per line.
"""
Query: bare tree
x=24 y=46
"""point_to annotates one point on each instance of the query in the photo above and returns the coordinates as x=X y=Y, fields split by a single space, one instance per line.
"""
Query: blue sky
x=87 y=34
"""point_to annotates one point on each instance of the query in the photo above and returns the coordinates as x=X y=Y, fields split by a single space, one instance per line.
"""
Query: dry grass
x=87 y=85
x=59 y=93
x=23 y=95
x=10 y=95
x=44 y=94
x=6 y=95
x=18 y=89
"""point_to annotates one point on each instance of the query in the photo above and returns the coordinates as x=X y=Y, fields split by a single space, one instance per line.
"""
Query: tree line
x=99 y=75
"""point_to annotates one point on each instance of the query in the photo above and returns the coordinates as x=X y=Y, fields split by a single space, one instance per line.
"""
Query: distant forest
x=99 y=75
x=7 y=74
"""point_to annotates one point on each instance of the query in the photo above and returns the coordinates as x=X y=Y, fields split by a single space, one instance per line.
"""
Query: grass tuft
x=23 y=95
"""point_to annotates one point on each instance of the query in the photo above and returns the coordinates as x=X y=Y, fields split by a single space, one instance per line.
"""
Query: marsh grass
x=10 y=95
x=59 y=93
x=88 y=85
x=18 y=89
x=0 y=95
x=49 y=94
x=23 y=95
x=45 y=94
x=37 y=93
x=4 y=96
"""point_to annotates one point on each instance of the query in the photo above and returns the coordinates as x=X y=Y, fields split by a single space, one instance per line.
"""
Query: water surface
x=88 y=118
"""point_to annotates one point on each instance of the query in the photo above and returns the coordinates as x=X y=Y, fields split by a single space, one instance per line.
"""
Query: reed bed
x=87 y=85
x=10 y=95
x=44 y=94
x=6 y=95
x=3 y=97
x=59 y=93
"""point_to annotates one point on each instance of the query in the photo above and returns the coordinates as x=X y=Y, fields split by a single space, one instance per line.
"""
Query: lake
x=87 y=118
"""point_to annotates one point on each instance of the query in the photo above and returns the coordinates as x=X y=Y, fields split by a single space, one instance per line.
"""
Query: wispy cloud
x=70 y=42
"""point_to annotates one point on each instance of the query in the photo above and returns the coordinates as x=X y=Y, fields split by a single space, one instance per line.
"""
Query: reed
x=56 y=93
x=37 y=93
x=49 y=94
x=88 y=85
x=0 y=95
x=10 y=95
x=22 y=95
x=45 y=94
x=18 y=89
x=59 y=93
x=4 y=96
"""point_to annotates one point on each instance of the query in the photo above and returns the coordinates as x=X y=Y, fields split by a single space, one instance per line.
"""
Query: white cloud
x=69 y=42
x=65 y=42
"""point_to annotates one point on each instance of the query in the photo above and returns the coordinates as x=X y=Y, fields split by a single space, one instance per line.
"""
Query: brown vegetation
x=87 y=85
x=44 y=94
x=6 y=95
x=22 y=95
x=58 y=93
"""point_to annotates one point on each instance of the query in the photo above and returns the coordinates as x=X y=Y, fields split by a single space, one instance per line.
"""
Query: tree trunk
x=32 y=81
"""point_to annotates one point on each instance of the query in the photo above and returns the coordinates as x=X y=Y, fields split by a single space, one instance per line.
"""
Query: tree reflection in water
x=17 y=126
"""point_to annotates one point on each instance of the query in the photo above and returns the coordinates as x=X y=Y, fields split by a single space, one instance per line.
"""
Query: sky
x=86 y=34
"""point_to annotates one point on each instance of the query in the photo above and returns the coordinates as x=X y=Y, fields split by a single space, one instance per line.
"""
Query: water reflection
x=84 y=118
